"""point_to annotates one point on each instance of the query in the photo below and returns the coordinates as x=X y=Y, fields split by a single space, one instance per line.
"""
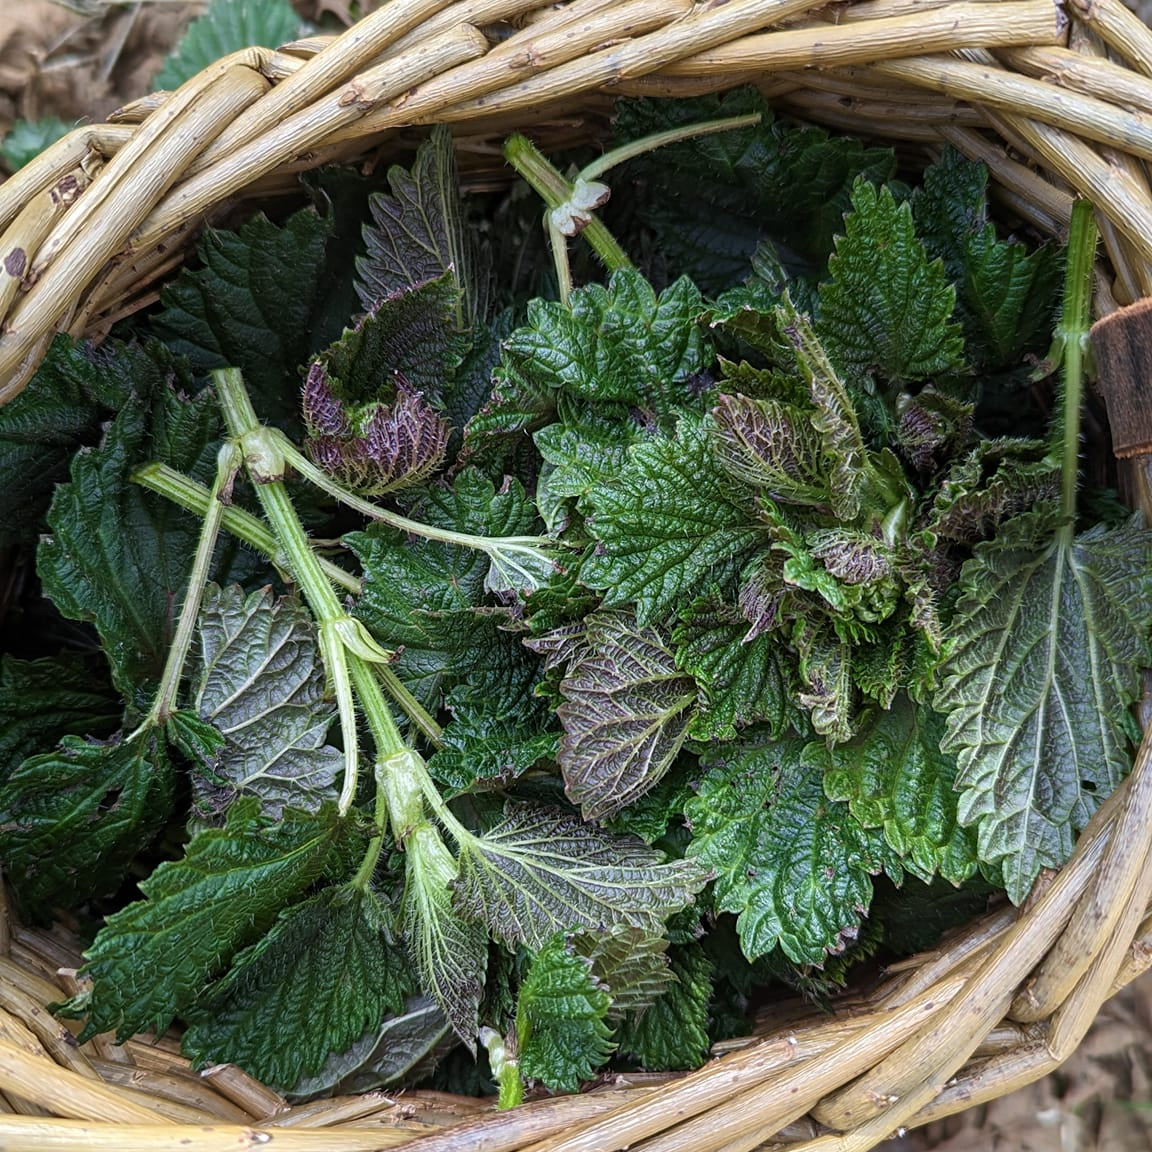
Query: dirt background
x=81 y=61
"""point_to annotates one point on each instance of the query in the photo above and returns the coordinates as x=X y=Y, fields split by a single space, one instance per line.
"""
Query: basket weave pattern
x=1057 y=103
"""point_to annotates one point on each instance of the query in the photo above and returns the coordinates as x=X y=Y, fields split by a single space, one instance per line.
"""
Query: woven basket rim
x=1057 y=102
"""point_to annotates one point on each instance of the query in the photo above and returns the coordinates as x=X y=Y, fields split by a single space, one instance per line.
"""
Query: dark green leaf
x=894 y=776
x=151 y=961
x=670 y=522
x=72 y=820
x=886 y=306
x=794 y=865
x=26 y=139
x=119 y=556
x=560 y=1019
x=326 y=971
x=44 y=700
x=253 y=306
x=672 y=1034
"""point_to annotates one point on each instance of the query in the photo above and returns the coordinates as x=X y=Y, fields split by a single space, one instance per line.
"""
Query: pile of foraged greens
x=583 y=659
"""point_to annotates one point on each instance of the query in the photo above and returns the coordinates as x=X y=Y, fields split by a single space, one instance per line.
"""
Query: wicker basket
x=1055 y=102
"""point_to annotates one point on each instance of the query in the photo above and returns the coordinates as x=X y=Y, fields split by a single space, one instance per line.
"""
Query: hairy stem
x=1075 y=322
x=193 y=496
x=556 y=192
x=227 y=465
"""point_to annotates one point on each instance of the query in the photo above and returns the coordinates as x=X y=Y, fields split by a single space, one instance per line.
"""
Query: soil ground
x=82 y=61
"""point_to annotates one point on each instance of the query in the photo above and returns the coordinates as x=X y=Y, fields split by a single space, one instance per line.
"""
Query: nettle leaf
x=419 y=595
x=410 y=334
x=72 y=820
x=1005 y=292
x=619 y=343
x=995 y=481
x=794 y=865
x=74 y=390
x=151 y=960
x=846 y=457
x=894 y=776
x=262 y=686
x=417 y=233
x=1045 y=648
x=543 y=871
x=670 y=523
x=626 y=711
x=242 y=309
x=449 y=953
x=560 y=1014
x=741 y=676
x=119 y=556
x=886 y=306
x=711 y=201
x=630 y=963
x=326 y=971
x=827 y=686
x=672 y=1034
x=403 y=1049
x=44 y=700
x=932 y=427
x=224 y=28
x=767 y=444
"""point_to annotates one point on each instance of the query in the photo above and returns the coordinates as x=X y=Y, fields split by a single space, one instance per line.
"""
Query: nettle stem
x=227 y=465
x=1072 y=333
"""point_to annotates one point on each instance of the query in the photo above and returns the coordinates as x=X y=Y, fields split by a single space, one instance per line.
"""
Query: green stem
x=488 y=544
x=266 y=466
x=381 y=723
x=636 y=148
x=558 y=243
x=367 y=869
x=227 y=465
x=415 y=711
x=556 y=192
x=186 y=492
x=1075 y=323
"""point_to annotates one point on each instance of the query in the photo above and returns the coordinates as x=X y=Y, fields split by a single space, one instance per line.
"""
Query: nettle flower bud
x=376 y=447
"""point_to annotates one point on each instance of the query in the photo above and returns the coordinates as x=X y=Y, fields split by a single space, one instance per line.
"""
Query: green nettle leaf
x=1005 y=292
x=326 y=971
x=670 y=523
x=560 y=1014
x=672 y=1034
x=625 y=713
x=72 y=820
x=224 y=28
x=151 y=961
x=43 y=700
x=543 y=871
x=1046 y=648
x=26 y=139
x=419 y=595
x=450 y=954
x=886 y=306
x=894 y=776
x=262 y=686
x=794 y=865
x=118 y=556
x=75 y=389
x=618 y=343
x=932 y=427
x=741 y=676
x=242 y=309
x=417 y=233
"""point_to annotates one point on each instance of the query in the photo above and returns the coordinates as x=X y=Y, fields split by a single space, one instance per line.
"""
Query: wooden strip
x=1093 y=77
x=961 y=25
x=1119 y=28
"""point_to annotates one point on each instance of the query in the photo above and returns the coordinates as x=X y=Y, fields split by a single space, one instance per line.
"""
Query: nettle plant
x=585 y=659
